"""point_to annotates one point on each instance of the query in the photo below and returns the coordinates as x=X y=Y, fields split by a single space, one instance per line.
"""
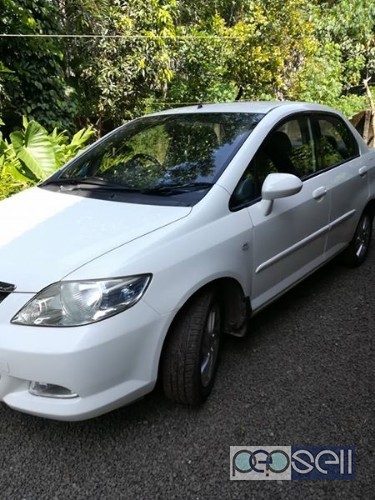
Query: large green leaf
x=82 y=136
x=34 y=150
x=3 y=145
x=15 y=169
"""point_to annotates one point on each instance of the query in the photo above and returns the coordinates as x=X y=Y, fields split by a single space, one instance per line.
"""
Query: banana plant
x=32 y=154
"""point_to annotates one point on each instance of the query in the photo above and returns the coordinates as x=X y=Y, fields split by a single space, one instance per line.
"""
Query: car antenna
x=240 y=92
x=200 y=105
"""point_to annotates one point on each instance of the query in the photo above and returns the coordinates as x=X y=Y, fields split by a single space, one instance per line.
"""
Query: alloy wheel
x=210 y=344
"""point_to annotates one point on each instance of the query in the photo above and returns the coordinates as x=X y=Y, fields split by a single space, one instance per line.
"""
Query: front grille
x=3 y=295
x=6 y=289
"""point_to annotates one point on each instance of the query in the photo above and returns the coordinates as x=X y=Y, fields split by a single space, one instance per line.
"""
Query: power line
x=129 y=37
x=191 y=103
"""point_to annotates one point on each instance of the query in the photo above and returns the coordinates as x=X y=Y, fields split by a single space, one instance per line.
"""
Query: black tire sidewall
x=206 y=390
x=357 y=261
x=182 y=354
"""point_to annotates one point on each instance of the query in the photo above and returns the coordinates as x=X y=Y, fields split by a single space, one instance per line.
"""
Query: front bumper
x=108 y=364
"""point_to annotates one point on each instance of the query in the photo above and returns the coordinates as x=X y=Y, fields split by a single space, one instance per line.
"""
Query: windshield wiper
x=88 y=183
x=99 y=184
x=171 y=189
x=73 y=181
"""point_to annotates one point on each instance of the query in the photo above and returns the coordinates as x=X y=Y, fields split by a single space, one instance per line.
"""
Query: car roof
x=244 y=107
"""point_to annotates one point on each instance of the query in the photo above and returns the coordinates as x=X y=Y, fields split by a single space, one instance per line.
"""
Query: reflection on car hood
x=45 y=235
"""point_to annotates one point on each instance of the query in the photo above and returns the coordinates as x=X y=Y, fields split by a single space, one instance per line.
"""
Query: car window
x=287 y=149
x=334 y=141
x=164 y=150
x=300 y=159
x=177 y=157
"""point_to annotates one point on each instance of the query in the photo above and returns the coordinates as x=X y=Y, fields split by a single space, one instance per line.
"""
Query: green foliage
x=201 y=60
x=33 y=80
x=129 y=70
x=32 y=154
x=9 y=186
x=177 y=52
x=345 y=55
x=351 y=25
x=275 y=41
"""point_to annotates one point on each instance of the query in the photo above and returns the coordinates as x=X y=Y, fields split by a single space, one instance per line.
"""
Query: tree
x=258 y=46
x=32 y=78
x=117 y=76
x=345 y=55
x=151 y=54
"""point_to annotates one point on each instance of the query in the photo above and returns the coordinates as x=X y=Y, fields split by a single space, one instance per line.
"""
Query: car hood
x=46 y=235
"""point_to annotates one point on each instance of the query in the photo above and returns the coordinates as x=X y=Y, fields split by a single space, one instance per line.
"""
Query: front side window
x=287 y=149
x=177 y=156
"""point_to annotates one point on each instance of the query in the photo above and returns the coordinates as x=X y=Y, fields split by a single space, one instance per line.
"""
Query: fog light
x=50 y=391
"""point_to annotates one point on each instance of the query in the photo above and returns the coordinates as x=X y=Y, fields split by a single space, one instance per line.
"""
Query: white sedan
x=132 y=261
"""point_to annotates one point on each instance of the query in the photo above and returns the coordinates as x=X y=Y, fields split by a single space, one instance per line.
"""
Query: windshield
x=177 y=156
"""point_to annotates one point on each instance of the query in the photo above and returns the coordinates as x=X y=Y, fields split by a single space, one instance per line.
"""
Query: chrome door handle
x=319 y=193
x=363 y=171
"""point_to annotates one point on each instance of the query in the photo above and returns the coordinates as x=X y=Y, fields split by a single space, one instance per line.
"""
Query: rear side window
x=334 y=141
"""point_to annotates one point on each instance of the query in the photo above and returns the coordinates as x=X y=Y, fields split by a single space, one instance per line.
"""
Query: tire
x=358 y=249
x=191 y=352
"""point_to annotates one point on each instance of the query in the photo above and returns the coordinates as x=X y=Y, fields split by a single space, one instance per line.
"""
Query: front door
x=288 y=243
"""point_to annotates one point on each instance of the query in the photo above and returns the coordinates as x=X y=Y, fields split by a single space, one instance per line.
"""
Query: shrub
x=32 y=154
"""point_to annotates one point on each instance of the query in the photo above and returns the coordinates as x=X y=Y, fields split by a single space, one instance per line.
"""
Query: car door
x=347 y=178
x=288 y=243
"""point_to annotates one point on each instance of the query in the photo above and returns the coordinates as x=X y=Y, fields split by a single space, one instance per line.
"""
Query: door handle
x=319 y=193
x=363 y=171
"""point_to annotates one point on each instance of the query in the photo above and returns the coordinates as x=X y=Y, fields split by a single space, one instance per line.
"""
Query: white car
x=132 y=261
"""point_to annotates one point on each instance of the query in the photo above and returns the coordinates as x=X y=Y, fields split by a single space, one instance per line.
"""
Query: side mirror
x=278 y=186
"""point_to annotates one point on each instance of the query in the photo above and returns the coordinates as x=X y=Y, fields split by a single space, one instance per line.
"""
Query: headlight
x=75 y=303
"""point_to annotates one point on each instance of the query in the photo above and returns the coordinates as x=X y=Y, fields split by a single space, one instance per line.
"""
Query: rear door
x=347 y=178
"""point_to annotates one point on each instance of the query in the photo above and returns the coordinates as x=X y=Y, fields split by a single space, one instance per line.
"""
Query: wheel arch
x=235 y=306
x=370 y=207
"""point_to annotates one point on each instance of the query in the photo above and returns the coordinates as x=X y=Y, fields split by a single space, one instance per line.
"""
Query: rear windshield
x=176 y=157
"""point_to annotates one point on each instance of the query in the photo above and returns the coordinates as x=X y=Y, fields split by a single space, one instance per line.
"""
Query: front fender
x=209 y=244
